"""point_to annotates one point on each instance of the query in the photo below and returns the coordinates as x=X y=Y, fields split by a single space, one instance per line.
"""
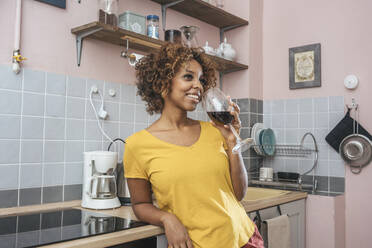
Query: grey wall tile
x=139 y=126
x=31 y=175
x=323 y=151
x=292 y=164
x=9 y=151
x=333 y=154
x=291 y=136
x=9 y=176
x=190 y=114
x=278 y=120
x=89 y=112
x=335 y=118
x=93 y=146
x=140 y=114
x=321 y=120
x=112 y=86
x=72 y=192
x=76 y=87
x=267 y=121
x=97 y=83
x=112 y=109
x=54 y=129
x=74 y=173
x=127 y=112
x=32 y=128
x=10 y=127
x=54 y=151
x=30 y=196
x=32 y=151
x=51 y=235
x=33 y=104
x=243 y=104
x=279 y=135
x=305 y=164
x=306 y=120
x=128 y=93
x=337 y=184
x=244 y=118
x=75 y=108
x=277 y=106
x=306 y=105
x=56 y=84
x=111 y=129
x=55 y=106
x=320 y=134
x=74 y=151
x=26 y=238
x=260 y=118
x=126 y=129
x=34 y=81
x=323 y=183
x=291 y=121
x=92 y=131
x=267 y=107
x=291 y=106
x=245 y=133
x=8 y=198
x=10 y=80
x=253 y=119
x=74 y=129
x=138 y=100
x=10 y=102
x=336 y=168
x=53 y=174
x=253 y=105
x=259 y=106
x=322 y=169
x=321 y=104
x=52 y=194
x=336 y=104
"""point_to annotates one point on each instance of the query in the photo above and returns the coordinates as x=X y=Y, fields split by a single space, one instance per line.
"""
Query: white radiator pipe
x=17 y=58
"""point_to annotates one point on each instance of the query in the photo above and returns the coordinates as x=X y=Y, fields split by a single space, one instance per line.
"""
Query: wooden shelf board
x=115 y=35
x=206 y=12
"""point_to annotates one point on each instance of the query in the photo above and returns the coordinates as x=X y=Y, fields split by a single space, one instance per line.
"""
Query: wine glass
x=217 y=106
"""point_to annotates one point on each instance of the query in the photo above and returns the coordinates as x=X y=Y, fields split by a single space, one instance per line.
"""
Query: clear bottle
x=153 y=26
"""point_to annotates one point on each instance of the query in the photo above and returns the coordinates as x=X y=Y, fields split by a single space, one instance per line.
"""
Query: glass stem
x=235 y=133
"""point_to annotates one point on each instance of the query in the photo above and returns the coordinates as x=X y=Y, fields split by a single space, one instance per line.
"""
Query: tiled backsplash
x=46 y=123
x=291 y=119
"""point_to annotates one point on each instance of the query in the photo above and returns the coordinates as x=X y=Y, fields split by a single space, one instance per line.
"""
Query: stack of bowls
x=264 y=140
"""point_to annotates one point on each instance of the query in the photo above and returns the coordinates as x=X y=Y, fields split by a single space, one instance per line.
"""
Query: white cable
x=95 y=113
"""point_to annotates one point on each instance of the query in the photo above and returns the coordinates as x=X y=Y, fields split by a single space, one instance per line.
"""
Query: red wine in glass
x=221 y=117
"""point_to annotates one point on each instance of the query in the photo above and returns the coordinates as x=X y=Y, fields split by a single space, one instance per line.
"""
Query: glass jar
x=107 y=12
x=153 y=26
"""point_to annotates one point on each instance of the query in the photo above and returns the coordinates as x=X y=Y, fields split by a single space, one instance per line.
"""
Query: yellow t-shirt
x=192 y=182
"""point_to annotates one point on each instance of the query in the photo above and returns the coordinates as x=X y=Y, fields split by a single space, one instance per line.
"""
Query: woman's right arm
x=140 y=194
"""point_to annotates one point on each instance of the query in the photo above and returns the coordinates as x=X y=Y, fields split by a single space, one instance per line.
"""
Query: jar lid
x=155 y=17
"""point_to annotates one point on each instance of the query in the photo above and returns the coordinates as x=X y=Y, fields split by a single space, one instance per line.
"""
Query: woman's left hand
x=236 y=124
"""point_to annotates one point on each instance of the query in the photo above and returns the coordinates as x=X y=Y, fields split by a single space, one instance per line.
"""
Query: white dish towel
x=278 y=232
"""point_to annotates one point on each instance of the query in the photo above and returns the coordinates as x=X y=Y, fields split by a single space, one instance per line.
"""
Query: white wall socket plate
x=351 y=82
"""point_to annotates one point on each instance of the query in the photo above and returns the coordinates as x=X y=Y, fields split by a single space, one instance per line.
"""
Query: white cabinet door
x=296 y=213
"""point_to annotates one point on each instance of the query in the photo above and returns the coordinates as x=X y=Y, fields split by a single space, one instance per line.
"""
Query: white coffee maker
x=99 y=183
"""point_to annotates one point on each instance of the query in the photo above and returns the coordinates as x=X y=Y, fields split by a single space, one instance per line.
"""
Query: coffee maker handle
x=93 y=193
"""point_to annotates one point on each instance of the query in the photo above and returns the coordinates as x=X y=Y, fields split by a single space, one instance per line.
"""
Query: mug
x=133 y=58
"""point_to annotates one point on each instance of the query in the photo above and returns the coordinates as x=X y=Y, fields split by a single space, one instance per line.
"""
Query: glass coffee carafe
x=189 y=36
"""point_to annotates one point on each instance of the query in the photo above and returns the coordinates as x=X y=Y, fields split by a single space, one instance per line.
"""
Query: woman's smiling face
x=186 y=89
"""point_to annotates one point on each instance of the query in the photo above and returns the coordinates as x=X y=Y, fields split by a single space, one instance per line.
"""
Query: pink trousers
x=255 y=241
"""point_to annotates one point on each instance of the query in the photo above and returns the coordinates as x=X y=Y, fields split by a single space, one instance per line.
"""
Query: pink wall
x=342 y=27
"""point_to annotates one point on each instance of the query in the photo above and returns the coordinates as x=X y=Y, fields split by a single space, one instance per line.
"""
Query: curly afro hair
x=155 y=72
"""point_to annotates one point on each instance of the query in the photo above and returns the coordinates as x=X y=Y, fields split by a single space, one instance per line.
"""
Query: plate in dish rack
x=255 y=134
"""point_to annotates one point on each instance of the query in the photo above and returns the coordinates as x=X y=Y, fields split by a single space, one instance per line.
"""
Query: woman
x=196 y=179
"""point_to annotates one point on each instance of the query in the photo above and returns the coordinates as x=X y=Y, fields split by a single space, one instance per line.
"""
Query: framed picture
x=304 y=66
x=57 y=3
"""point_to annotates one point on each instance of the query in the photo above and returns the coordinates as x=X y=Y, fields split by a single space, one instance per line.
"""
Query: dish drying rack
x=293 y=151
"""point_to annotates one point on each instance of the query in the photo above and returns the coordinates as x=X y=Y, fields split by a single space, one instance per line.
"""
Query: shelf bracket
x=79 y=41
x=227 y=28
x=164 y=8
x=221 y=79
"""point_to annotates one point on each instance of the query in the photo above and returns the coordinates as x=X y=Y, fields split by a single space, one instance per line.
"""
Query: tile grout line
x=43 y=152
x=20 y=141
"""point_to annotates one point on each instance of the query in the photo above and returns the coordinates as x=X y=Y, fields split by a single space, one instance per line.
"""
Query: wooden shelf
x=206 y=12
x=117 y=36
